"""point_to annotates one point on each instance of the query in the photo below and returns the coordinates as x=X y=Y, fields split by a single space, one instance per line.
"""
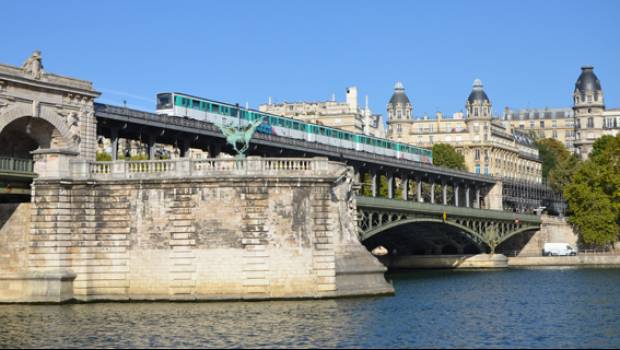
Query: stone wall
x=552 y=230
x=230 y=236
x=14 y=234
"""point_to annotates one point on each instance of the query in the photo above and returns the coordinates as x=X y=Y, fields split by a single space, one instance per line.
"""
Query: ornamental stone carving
x=34 y=65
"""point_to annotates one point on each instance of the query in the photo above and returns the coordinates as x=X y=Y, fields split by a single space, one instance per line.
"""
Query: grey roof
x=477 y=93
x=399 y=96
x=587 y=81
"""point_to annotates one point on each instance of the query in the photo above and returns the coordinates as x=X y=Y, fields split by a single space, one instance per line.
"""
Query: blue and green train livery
x=183 y=105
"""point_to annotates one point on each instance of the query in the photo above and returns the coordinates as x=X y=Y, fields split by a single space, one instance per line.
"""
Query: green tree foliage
x=562 y=173
x=559 y=164
x=446 y=156
x=103 y=157
x=593 y=195
x=551 y=152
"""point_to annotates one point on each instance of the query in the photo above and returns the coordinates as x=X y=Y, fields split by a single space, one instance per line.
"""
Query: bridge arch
x=20 y=128
x=24 y=110
x=371 y=237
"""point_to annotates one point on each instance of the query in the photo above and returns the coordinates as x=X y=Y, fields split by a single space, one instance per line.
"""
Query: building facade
x=577 y=126
x=556 y=123
x=347 y=115
x=488 y=146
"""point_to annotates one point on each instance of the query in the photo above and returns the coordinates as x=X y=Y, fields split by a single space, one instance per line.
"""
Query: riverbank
x=494 y=261
x=578 y=260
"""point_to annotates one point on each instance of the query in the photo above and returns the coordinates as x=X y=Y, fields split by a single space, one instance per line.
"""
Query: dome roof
x=477 y=93
x=587 y=81
x=399 y=96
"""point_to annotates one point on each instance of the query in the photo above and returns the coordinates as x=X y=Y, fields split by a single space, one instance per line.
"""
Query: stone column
x=373 y=183
x=467 y=202
x=456 y=195
x=151 y=146
x=419 y=190
x=405 y=187
x=432 y=191
x=477 y=203
x=390 y=184
x=214 y=150
x=185 y=143
x=114 y=140
x=444 y=193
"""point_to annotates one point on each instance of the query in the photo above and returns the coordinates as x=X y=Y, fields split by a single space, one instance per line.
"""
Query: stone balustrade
x=196 y=168
x=15 y=165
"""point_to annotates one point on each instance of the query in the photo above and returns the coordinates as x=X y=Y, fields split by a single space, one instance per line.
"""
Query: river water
x=551 y=308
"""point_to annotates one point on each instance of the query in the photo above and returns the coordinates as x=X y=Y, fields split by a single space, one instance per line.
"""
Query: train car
x=183 y=105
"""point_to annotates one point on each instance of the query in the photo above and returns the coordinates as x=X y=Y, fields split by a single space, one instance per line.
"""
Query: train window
x=196 y=104
x=164 y=101
x=215 y=108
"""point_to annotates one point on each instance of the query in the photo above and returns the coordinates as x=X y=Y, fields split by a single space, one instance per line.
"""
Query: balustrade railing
x=204 y=167
x=9 y=164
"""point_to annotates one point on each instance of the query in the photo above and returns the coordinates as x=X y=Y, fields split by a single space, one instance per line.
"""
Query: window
x=542 y=123
x=477 y=168
x=590 y=122
x=555 y=134
x=477 y=154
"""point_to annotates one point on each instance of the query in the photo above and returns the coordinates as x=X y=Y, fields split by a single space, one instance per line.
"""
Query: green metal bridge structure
x=439 y=229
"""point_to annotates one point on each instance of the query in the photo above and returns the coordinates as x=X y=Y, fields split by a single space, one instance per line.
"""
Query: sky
x=528 y=54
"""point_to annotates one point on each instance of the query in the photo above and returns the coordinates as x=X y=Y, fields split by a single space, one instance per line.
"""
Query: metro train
x=183 y=105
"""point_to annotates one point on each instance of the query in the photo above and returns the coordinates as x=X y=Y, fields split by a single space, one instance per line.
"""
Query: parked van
x=551 y=249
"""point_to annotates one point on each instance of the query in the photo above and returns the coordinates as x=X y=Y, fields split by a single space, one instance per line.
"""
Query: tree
x=103 y=157
x=446 y=156
x=551 y=152
x=562 y=173
x=593 y=195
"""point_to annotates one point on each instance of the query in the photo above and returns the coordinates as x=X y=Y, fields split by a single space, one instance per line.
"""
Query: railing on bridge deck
x=15 y=177
x=438 y=209
x=191 y=168
x=16 y=165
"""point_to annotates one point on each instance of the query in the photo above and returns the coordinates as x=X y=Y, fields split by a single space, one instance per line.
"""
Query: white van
x=551 y=249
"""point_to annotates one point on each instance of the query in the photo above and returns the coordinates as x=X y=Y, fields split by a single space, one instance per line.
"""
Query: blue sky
x=527 y=53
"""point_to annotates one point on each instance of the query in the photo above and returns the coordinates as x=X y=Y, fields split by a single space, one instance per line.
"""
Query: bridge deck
x=197 y=127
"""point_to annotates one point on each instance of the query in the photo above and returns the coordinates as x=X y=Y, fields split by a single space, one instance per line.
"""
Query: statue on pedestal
x=33 y=65
x=240 y=135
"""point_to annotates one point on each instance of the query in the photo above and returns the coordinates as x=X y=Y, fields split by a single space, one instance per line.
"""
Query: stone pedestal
x=53 y=163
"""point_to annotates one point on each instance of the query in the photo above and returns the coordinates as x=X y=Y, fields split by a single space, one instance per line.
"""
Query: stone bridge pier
x=211 y=229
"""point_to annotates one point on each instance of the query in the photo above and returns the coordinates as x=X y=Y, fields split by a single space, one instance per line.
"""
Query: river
x=543 y=307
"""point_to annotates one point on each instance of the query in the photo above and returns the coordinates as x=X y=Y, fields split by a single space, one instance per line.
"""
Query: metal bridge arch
x=475 y=237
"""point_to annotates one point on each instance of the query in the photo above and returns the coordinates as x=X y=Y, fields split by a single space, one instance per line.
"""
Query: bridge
x=56 y=112
x=295 y=219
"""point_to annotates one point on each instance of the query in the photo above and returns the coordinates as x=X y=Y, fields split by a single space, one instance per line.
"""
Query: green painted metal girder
x=13 y=190
x=427 y=208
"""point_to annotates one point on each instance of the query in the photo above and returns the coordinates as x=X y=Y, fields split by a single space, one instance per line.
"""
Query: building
x=489 y=147
x=556 y=123
x=345 y=115
x=577 y=127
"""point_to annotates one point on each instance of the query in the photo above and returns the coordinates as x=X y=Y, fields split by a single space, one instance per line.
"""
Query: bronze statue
x=239 y=134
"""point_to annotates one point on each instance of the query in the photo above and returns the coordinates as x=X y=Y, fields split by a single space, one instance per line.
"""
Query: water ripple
x=534 y=308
